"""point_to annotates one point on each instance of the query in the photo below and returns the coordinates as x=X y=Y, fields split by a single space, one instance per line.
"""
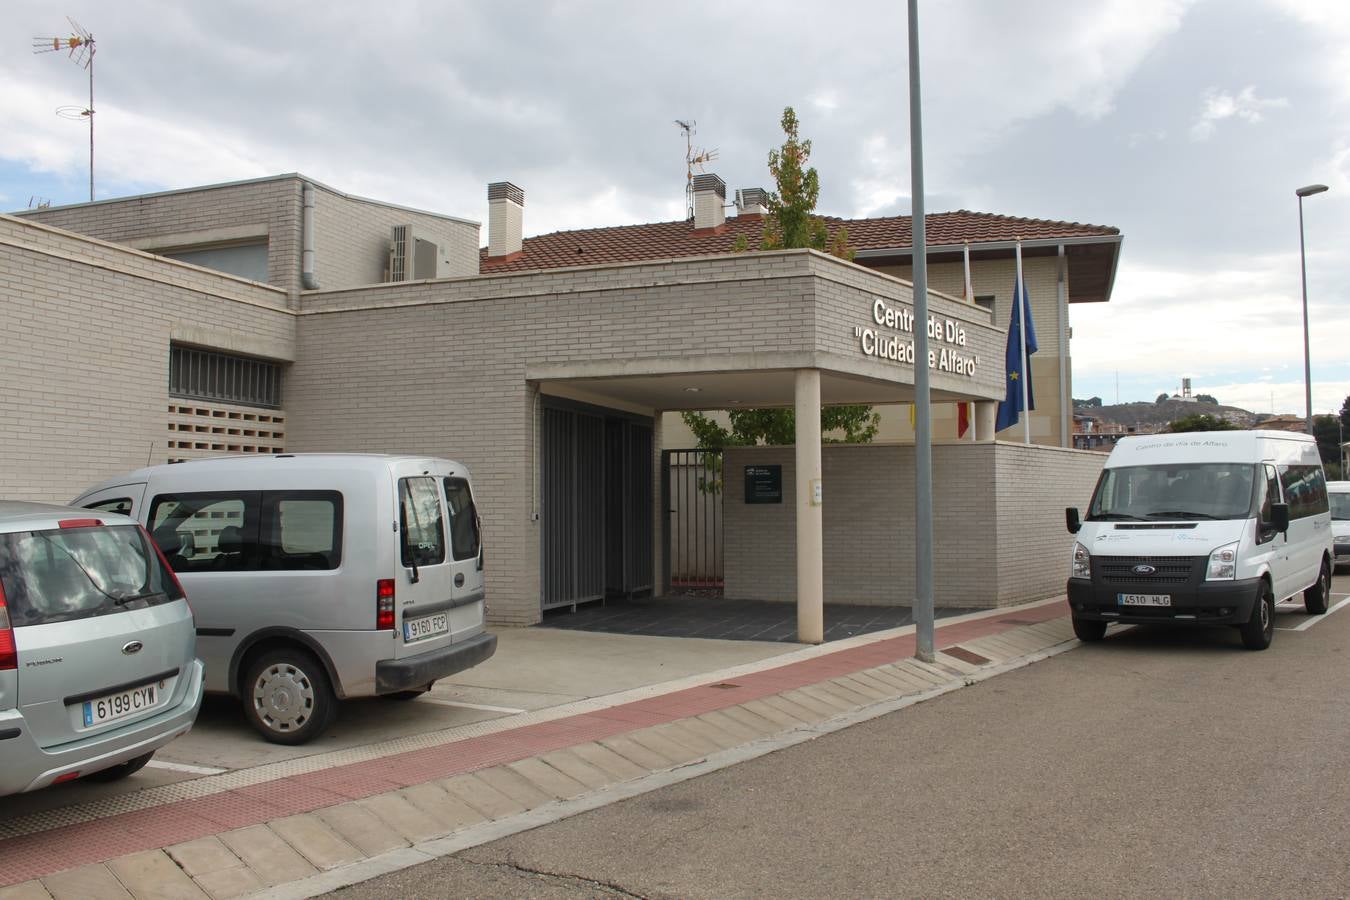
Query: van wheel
x=1315 y=597
x=1260 y=628
x=1088 y=631
x=287 y=696
x=118 y=772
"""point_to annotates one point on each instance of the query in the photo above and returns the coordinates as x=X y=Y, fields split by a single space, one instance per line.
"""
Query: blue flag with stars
x=1010 y=407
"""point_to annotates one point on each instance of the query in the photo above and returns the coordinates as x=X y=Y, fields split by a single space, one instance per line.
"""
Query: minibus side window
x=208 y=531
x=421 y=530
x=1305 y=490
x=1270 y=493
x=302 y=530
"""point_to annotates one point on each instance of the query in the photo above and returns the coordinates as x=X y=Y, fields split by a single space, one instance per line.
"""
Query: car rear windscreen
x=75 y=573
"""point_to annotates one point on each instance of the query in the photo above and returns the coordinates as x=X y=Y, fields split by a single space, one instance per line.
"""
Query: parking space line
x=184 y=767
x=511 y=711
x=1313 y=620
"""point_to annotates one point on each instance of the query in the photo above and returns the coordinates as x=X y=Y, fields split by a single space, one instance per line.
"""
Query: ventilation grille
x=199 y=431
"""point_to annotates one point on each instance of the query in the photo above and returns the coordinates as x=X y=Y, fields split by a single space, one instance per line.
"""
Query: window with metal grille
x=208 y=375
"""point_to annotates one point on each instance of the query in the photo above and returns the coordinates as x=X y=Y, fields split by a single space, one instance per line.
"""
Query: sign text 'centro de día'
x=887 y=340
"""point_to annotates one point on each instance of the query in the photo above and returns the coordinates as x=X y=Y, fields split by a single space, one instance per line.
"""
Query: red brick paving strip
x=42 y=853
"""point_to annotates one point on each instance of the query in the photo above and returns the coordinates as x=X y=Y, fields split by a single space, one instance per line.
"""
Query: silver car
x=97 y=648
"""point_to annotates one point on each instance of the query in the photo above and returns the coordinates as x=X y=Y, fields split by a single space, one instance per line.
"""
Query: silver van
x=316 y=577
x=97 y=669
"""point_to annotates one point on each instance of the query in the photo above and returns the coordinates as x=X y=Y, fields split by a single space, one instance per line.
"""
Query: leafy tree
x=1345 y=414
x=791 y=223
x=1327 y=431
x=1161 y=397
x=1206 y=398
x=1200 y=422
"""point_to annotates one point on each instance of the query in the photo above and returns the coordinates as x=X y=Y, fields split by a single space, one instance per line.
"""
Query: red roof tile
x=667 y=240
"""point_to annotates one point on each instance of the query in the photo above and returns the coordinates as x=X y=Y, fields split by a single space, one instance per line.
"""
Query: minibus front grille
x=1166 y=569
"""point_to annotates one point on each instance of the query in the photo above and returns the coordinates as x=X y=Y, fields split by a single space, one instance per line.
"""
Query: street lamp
x=1303 y=267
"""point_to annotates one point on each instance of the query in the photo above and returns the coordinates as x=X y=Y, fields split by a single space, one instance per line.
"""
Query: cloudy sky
x=1188 y=125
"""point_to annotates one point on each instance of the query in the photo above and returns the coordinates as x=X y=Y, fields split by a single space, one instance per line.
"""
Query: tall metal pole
x=1302 y=192
x=91 y=122
x=1021 y=301
x=923 y=438
x=1307 y=362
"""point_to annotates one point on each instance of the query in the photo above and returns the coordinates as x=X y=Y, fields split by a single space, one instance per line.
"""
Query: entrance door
x=596 y=504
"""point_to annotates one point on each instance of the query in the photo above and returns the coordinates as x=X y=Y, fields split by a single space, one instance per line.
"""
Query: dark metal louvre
x=210 y=375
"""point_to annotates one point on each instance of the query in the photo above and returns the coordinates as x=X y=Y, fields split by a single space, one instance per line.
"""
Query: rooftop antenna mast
x=80 y=47
x=692 y=157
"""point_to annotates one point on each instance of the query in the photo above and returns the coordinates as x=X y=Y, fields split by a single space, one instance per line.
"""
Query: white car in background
x=1338 y=492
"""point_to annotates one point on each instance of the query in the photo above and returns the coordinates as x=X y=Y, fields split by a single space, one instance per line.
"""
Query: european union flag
x=1010 y=407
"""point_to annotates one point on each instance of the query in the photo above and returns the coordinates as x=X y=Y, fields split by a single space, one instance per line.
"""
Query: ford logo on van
x=132 y=647
x=1143 y=570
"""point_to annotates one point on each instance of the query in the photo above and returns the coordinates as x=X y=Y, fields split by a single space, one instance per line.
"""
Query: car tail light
x=384 y=604
x=62 y=779
x=79 y=523
x=9 y=651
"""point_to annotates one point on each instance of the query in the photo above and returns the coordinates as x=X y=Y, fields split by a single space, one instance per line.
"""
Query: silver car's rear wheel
x=287 y=697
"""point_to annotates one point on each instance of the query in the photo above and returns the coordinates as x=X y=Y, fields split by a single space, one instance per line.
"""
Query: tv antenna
x=80 y=47
x=692 y=158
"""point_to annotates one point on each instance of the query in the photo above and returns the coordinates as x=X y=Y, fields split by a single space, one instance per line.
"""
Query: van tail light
x=384 y=604
x=9 y=651
x=173 y=576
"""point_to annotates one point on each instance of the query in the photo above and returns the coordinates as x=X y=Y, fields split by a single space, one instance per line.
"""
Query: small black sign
x=763 y=484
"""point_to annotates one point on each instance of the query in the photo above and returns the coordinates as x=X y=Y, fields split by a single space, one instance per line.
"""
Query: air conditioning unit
x=412 y=258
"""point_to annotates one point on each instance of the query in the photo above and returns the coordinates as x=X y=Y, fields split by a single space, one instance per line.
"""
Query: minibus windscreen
x=1189 y=491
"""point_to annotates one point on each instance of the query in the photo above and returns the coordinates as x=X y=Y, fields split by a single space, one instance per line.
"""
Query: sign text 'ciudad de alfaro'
x=888 y=341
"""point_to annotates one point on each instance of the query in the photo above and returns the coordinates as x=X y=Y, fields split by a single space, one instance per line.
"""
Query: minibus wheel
x=287 y=696
x=1088 y=631
x=1260 y=628
x=1315 y=597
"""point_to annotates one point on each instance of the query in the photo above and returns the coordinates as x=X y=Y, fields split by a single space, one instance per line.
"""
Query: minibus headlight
x=1081 y=565
x=1223 y=563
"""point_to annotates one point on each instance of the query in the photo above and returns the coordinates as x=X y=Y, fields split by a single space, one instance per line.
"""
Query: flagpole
x=1021 y=300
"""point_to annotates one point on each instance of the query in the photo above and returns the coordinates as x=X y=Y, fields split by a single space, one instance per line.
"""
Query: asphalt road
x=1157 y=762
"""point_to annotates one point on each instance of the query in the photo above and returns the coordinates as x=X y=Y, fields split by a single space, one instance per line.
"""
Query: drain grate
x=965 y=655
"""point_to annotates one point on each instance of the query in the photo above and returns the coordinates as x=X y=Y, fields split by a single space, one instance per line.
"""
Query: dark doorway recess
x=596 y=505
x=708 y=615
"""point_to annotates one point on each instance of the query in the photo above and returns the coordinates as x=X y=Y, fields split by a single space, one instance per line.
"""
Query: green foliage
x=1345 y=414
x=778 y=427
x=1327 y=432
x=1206 y=398
x=791 y=223
x=740 y=245
x=1200 y=422
x=1161 y=398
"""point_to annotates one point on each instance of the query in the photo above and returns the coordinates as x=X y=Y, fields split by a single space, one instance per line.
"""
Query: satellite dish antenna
x=692 y=158
x=80 y=47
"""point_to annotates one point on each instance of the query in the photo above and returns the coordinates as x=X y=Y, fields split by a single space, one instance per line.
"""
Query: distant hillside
x=1148 y=416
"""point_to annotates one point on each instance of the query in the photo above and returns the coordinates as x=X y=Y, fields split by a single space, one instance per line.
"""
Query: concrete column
x=986 y=416
x=808 y=497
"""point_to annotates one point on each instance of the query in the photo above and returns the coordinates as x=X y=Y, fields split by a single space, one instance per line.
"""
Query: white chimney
x=710 y=197
x=752 y=202
x=506 y=215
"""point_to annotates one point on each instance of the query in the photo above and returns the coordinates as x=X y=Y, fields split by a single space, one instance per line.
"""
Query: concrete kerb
x=558 y=810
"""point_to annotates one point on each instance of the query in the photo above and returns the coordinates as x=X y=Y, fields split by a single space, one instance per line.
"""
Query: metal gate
x=693 y=494
x=596 y=497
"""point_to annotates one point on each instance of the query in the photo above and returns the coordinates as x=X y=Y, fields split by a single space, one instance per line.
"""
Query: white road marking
x=511 y=711
x=1313 y=620
x=183 y=767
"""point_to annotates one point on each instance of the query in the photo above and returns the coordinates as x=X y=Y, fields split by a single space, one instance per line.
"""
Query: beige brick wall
x=270 y=204
x=85 y=367
x=998 y=523
x=352 y=239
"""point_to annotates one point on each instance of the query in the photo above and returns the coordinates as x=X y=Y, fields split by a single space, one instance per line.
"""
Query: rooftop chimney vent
x=506 y=214
x=710 y=197
x=752 y=202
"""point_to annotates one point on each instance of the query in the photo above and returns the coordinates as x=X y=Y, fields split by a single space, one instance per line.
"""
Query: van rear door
x=103 y=634
x=466 y=551
x=424 y=596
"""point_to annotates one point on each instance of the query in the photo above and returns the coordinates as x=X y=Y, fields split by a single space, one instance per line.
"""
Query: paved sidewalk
x=306 y=826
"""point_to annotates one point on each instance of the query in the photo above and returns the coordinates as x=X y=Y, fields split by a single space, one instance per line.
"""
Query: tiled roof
x=666 y=240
